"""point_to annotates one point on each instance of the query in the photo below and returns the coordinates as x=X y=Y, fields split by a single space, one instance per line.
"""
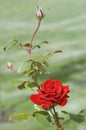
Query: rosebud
x=9 y=65
x=39 y=13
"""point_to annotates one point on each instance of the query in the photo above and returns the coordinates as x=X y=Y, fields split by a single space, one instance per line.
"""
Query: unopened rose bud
x=9 y=65
x=39 y=13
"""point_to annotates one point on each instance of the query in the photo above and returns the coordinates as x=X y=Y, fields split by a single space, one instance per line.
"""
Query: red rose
x=51 y=92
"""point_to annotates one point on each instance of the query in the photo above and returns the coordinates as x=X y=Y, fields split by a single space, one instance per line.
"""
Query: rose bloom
x=52 y=92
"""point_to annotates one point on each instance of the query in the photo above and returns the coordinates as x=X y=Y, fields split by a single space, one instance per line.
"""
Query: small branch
x=62 y=128
x=33 y=36
x=55 y=115
x=14 y=70
x=56 y=118
x=39 y=22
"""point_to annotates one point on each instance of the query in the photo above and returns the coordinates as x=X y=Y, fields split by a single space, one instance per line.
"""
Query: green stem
x=55 y=115
x=56 y=118
x=35 y=78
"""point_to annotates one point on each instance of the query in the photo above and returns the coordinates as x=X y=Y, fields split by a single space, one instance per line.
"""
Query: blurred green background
x=64 y=26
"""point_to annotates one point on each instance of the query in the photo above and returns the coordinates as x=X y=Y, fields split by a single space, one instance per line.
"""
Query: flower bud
x=39 y=13
x=9 y=65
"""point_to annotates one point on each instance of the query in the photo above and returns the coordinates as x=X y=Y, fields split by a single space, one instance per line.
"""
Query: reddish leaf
x=27 y=45
x=57 y=51
x=45 y=42
x=36 y=46
x=53 y=52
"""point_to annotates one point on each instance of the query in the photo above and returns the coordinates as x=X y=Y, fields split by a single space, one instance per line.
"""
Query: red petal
x=36 y=99
x=46 y=105
x=65 y=91
x=62 y=102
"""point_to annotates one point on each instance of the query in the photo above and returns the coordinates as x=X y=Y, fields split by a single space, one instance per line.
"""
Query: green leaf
x=22 y=86
x=24 y=67
x=20 y=116
x=65 y=112
x=27 y=85
x=11 y=45
x=42 y=61
x=16 y=81
x=42 y=117
x=37 y=67
x=30 y=85
x=76 y=117
x=42 y=58
x=83 y=112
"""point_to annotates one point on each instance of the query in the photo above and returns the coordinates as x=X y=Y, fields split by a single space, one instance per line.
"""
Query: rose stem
x=57 y=119
x=33 y=36
x=14 y=70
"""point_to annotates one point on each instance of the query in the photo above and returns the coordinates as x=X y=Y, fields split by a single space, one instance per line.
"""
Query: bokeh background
x=64 y=27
